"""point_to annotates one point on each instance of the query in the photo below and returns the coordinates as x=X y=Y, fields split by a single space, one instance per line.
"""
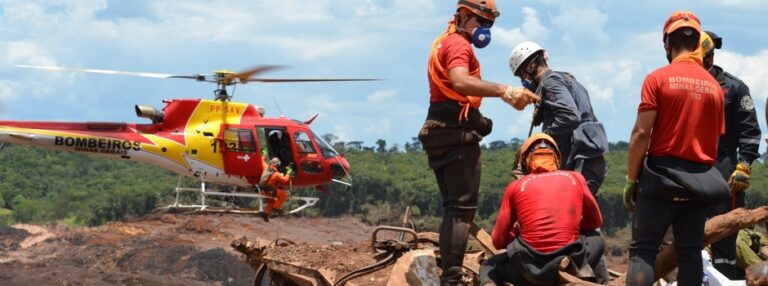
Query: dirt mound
x=11 y=238
x=162 y=249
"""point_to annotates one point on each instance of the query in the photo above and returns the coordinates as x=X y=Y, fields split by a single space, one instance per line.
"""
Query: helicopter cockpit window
x=325 y=148
x=239 y=140
x=303 y=144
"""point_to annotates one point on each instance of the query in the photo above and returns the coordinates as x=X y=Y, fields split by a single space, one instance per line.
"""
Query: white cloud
x=582 y=25
x=752 y=69
x=531 y=30
x=382 y=96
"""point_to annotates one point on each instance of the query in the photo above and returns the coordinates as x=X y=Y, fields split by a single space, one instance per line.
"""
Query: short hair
x=683 y=39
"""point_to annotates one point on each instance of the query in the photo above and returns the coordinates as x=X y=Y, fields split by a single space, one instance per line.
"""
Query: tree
x=515 y=143
x=416 y=144
x=355 y=145
x=497 y=145
x=330 y=138
x=381 y=146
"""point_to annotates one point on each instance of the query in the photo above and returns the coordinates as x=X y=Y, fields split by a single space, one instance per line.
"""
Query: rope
x=368 y=269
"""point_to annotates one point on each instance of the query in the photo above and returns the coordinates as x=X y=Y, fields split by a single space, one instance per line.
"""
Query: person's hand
x=630 y=192
x=739 y=180
x=519 y=97
x=288 y=171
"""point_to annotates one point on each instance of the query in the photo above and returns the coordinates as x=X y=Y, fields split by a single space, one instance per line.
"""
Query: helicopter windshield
x=325 y=148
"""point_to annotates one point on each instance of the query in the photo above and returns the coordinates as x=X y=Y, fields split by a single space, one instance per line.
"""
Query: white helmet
x=520 y=53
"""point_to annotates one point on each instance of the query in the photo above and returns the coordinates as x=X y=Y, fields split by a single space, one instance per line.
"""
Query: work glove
x=630 y=192
x=519 y=97
x=288 y=171
x=739 y=180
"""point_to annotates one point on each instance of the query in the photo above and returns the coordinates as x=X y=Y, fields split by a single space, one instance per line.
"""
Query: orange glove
x=739 y=180
x=519 y=97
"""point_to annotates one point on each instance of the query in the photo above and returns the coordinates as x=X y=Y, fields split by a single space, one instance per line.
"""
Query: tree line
x=38 y=185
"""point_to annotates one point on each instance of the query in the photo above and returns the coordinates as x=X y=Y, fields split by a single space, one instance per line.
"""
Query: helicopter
x=216 y=141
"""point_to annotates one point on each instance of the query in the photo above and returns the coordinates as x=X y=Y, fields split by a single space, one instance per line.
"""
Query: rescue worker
x=537 y=231
x=566 y=112
x=454 y=125
x=749 y=247
x=736 y=151
x=679 y=121
x=273 y=183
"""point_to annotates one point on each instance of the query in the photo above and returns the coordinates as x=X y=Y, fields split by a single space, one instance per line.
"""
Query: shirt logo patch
x=747 y=104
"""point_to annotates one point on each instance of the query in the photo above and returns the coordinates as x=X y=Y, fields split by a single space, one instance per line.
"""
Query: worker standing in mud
x=454 y=125
x=679 y=122
x=566 y=112
x=537 y=231
x=737 y=149
x=273 y=183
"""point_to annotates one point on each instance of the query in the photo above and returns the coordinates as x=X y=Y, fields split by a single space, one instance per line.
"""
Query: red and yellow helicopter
x=216 y=141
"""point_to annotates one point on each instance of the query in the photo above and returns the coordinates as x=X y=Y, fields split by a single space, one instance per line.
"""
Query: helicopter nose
x=339 y=167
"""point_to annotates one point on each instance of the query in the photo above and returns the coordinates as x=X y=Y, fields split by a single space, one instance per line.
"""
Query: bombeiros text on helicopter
x=215 y=141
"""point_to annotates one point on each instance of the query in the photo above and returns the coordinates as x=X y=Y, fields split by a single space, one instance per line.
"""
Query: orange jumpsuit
x=277 y=180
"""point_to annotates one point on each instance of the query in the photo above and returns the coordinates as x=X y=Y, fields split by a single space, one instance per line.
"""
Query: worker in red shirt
x=670 y=175
x=454 y=125
x=273 y=183
x=537 y=230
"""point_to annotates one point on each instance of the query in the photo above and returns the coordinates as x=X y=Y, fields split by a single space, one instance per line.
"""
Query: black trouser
x=594 y=171
x=724 y=250
x=650 y=222
x=499 y=269
x=458 y=178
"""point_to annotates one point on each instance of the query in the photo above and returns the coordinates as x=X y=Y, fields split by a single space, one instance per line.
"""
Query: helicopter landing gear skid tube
x=204 y=193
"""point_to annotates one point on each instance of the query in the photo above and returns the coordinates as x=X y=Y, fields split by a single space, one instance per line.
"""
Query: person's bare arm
x=464 y=83
x=467 y=84
x=639 y=142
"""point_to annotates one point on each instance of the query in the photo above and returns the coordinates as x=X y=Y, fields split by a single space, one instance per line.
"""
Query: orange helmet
x=681 y=19
x=483 y=8
x=531 y=145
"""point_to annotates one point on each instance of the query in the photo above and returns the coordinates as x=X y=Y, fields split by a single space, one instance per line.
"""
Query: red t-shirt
x=552 y=209
x=454 y=51
x=690 y=117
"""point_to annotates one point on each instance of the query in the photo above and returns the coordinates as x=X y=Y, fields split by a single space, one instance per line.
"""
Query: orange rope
x=435 y=69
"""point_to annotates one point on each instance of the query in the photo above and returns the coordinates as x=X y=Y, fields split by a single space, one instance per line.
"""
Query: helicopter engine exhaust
x=149 y=112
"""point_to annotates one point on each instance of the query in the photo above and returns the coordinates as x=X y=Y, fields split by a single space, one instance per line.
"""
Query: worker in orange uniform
x=538 y=231
x=454 y=125
x=671 y=178
x=273 y=182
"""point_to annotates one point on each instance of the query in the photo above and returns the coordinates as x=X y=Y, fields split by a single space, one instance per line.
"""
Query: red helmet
x=483 y=8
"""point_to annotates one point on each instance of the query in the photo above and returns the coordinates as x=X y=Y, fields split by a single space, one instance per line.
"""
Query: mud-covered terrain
x=157 y=250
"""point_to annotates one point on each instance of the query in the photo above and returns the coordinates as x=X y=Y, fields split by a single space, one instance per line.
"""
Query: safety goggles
x=485 y=23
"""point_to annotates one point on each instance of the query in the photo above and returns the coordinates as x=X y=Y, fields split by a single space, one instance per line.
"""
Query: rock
x=168 y=218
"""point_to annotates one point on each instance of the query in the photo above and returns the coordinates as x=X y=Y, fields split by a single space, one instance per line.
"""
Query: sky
x=609 y=46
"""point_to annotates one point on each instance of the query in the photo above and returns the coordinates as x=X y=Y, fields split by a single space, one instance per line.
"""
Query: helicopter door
x=278 y=145
x=239 y=151
x=310 y=161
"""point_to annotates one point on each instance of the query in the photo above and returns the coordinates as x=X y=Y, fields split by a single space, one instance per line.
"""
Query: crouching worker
x=545 y=216
x=273 y=183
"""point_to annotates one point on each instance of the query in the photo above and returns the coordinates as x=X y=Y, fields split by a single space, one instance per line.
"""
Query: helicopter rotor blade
x=244 y=76
x=278 y=80
x=114 y=72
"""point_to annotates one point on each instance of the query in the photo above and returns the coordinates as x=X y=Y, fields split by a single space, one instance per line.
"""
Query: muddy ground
x=176 y=249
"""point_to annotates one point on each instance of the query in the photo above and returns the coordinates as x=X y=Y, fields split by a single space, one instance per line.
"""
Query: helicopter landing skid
x=204 y=193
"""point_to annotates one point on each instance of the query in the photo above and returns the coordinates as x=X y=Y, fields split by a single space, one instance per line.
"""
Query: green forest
x=39 y=186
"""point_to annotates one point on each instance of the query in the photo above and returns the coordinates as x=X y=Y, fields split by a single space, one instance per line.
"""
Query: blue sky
x=608 y=45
